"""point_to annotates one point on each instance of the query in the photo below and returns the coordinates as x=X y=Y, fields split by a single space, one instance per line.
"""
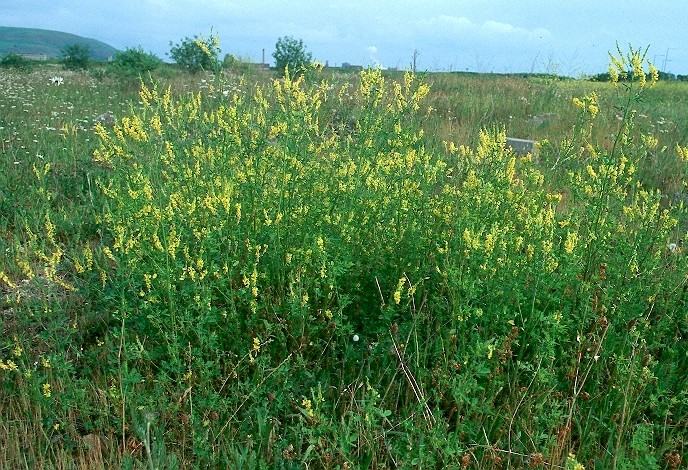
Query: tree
x=133 y=62
x=197 y=54
x=290 y=54
x=76 y=56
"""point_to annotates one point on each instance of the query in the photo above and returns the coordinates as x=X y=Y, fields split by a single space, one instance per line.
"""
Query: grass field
x=342 y=271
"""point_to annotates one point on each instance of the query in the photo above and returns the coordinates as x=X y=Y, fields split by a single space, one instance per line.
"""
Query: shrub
x=197 y=54
x=290 y=54
x=76 y=56
x=133 y=62
x=15 y=61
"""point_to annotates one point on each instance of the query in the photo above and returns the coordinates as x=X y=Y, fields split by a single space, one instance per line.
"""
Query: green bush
x=76 y=56
x=17 y=62
x=133 y=62
x=197 y=54
x=290 y=54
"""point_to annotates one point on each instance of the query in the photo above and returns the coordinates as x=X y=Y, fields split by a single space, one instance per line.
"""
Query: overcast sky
x=569 y=37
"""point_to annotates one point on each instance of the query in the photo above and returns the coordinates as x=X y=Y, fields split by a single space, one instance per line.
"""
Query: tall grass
x=332 y=273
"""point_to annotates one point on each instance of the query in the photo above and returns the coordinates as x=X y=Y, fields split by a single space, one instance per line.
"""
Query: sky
x=566 y=37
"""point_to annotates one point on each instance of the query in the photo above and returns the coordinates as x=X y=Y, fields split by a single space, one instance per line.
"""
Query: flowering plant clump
x=294 y=273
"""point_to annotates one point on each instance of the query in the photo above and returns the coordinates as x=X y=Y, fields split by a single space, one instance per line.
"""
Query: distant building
x=348 y=66
x=34 y=56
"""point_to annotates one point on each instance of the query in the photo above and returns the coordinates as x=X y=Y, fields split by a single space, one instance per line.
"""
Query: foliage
x=197 y=54
x=132 y=62
x=76 y=56
x=290 y=54
x=292 y=274
x=17 y=62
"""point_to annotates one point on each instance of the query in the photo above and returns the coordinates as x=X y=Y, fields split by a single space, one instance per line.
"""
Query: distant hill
x=50 y=43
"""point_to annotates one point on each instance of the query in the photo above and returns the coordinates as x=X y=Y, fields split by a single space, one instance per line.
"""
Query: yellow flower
x=308 y=406
x=397 y=297
x=654 y=75
x=591 y=171
x=570 y=243
x=681 y=151
x=397 y=292
x=489 y=243
x=6 y=280
x=204 y=47
x=108 y=253
x=45 y=388
x=593 y=109
x=578 y=103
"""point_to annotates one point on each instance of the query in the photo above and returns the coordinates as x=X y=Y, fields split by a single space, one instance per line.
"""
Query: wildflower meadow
x=343 y=270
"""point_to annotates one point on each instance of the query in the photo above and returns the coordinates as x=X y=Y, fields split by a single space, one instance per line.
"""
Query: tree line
x=194 y=55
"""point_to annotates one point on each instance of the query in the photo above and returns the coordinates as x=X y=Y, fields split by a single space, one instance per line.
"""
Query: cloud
x=445 y=26
x=497 y=27
x=492 y=26
x=372 y=52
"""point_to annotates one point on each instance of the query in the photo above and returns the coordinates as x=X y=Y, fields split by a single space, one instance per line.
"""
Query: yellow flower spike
x=613 y=75
x=308 y=407
x=145 y=95
x=591 y=171
x=571 y=241
x=46 y=390
x=654 y=75
x=6 y=280
x=682 y=152
x=156 y=125
x=18 y=350
x=397 y=292
x=203 y=47
x=638 y=72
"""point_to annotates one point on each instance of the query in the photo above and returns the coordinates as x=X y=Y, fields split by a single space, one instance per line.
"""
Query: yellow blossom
x=6 y=280
x=591 y=171
x=682 y=152
x=18 y=350
x=654 y=75
x=397 y=292
x=570 y=243
x=308 y=406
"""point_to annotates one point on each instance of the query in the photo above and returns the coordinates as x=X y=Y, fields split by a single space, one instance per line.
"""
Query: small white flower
x=672 y=247
x=356 y=338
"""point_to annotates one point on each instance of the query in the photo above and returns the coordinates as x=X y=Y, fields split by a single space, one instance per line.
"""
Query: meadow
x=343 y=270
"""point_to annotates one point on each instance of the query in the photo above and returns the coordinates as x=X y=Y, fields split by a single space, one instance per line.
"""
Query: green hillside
x=50 y=43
